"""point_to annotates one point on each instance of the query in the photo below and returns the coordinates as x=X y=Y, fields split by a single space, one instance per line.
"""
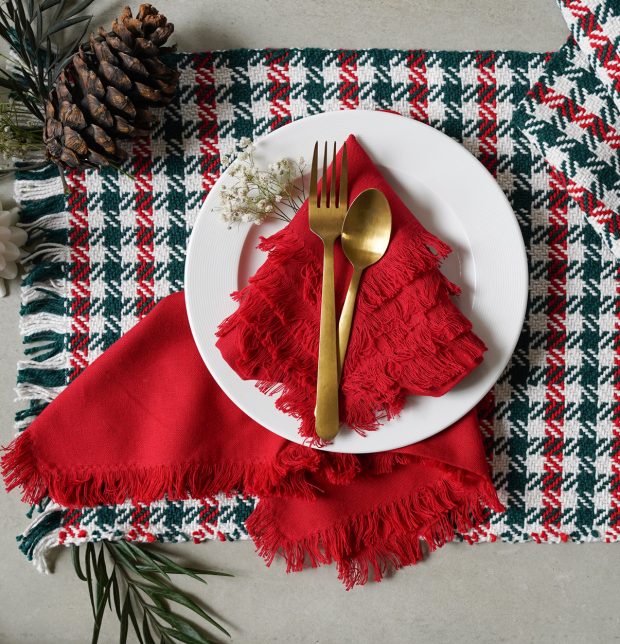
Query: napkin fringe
x=385 y=539
x=271 y=343
x=287 y=476
x=411 y=255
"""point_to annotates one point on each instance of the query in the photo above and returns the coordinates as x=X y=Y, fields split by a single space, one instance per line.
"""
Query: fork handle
x=327 y=419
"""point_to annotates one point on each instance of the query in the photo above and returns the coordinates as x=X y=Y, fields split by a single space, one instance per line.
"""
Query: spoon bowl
x=367 y=228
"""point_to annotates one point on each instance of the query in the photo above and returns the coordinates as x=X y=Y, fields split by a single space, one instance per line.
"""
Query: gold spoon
x=365 y=237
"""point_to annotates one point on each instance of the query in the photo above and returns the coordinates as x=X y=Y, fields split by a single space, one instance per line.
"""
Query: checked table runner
x=115 y=245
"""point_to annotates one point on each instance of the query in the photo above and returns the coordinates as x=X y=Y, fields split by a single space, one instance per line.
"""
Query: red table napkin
x=408 y=337
x=147 y=420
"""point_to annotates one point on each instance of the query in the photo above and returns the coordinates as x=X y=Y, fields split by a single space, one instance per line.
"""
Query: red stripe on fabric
x=487 y=136
x=487 y=153
x=72 y=519
x=349 y=89
x=145 y=228
x=140 y=519
x=79 y=273
x=487 y=110
x=207 y=120
x=207 y=519
x=209 y=511
x=598 y=41
x=555 y=372
x=71 y=534
x=613 y=533
x=418 y=86
x=575 y=113
x=71 y=526
x=279 y=88
x=591 y=206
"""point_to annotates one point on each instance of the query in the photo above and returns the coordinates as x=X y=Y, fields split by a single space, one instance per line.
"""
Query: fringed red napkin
x=147 y=420
x=407 y=338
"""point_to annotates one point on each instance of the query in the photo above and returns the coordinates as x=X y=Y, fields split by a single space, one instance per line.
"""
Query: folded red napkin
x=407 y=338
x=147 y=420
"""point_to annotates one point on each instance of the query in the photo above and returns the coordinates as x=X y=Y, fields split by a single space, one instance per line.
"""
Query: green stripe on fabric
x=112 y=270
x=46 y=345
x=49 y=171
x=381 y=87
x=43 y=377
x=44 y=271
x=590 y=306
x=175 y=199
x=41 y=528
x=451 y=90
x=32 y=210
x=314 y=90
x=54 y=305
x=518 y=410
x=33 y=410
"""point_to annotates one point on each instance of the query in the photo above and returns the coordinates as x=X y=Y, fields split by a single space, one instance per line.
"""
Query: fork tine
x=313 y=176
x=332 y=189
x=344 y=168
x=324 y=187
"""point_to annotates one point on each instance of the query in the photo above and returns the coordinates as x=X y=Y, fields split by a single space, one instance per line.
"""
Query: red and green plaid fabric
x=572 y=113
x=116 y=245
x=595 y=26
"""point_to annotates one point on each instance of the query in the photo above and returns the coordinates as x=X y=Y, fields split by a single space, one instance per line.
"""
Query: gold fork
x=326 y=215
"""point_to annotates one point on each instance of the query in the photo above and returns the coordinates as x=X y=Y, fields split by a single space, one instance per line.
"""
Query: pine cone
x=107 y=91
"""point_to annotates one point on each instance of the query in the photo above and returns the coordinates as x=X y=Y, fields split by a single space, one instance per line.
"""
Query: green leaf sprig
x=44 y=36
x=136 y=581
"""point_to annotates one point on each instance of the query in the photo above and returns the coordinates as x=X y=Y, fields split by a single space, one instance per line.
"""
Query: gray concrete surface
x=491 y=593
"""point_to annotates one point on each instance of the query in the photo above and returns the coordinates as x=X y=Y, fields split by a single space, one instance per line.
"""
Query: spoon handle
x=326 y=412
x=346 y=317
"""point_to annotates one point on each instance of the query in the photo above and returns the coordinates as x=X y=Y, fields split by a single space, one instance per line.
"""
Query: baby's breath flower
x=256 y=194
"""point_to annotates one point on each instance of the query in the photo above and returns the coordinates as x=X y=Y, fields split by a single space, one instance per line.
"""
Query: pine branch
x=34 y=32
x=136 y=581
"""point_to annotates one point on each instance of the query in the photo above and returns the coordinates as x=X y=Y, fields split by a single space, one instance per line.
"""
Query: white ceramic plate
x=450 y=193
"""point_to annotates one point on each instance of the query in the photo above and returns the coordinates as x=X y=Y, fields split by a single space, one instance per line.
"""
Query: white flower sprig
x=258 y=194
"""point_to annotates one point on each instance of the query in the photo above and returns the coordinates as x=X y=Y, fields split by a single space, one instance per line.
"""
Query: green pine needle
x=35 y=32
x=43 y=36
x=135 y=580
